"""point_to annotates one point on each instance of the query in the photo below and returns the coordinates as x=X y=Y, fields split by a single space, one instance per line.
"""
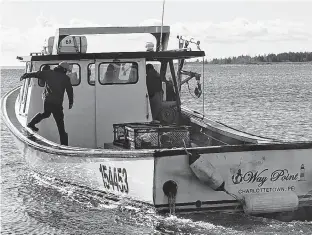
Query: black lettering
x=102 y=173
x=116 y=179
x=280 y=189
x=276 y=175
x=110 y=178
x=283 y=175
x=121 y=188
x=251 y=177
x=124 y=174
x=104 y=176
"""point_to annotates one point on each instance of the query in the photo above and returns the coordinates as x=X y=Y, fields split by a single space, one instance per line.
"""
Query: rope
x=241 y=201
x=309 y=192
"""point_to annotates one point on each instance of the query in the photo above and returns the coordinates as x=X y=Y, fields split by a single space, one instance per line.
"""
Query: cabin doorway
x=121 y=96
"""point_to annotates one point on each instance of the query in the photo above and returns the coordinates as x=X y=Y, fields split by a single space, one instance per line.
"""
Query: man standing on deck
x=154 y=88
x=56 y=82
x=153 y=81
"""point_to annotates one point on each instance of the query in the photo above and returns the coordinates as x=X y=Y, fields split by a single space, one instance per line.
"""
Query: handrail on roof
x=61 y=33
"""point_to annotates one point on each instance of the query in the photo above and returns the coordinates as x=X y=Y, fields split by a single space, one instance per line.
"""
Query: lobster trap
x=151 y=136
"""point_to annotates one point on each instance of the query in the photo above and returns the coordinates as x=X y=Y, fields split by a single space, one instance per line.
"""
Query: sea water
x=273 y=100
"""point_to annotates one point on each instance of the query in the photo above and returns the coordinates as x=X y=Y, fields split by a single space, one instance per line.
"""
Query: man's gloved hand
x=70 y=105
x=23 y=77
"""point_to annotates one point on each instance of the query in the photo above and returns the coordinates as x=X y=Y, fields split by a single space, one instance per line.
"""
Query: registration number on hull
x=115 y=178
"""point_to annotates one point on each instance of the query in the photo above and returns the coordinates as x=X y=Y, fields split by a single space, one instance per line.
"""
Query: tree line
x=282 y=57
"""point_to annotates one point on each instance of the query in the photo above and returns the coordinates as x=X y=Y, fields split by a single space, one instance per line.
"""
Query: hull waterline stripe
x=195 y=209
x=203 y=203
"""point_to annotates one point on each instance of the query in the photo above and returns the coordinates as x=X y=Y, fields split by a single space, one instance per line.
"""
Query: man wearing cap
x=56 y=82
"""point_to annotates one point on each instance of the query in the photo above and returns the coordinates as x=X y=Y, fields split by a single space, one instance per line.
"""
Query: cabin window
x=75 y=75
x=91 y=74
x=118 y=73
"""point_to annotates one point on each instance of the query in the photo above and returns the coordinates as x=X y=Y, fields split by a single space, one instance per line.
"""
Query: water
x=270 y=100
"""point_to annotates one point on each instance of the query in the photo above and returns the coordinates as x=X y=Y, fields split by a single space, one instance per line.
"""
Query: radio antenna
x=162 y=23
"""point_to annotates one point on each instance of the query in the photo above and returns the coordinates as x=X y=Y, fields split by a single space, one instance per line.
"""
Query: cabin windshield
x=118 y=73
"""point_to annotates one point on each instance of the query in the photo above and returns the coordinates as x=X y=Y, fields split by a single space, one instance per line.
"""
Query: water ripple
x=269 y=100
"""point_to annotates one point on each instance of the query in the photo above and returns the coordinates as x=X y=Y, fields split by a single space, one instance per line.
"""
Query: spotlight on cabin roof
x=149 y=46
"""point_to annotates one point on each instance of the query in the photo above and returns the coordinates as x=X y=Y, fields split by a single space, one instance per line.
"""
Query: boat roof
x=113 y=30
x=161 y=34
x=148 y=55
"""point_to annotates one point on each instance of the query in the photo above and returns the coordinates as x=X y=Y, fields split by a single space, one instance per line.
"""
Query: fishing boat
x=152 y=149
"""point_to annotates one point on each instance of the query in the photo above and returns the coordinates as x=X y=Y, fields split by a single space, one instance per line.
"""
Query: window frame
x=164 y=69
x=88 y=77
x=58 y=64
x=118 y=62
x=25 y=89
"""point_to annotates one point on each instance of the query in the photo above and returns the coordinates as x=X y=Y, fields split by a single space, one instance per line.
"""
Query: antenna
x=203 y=85
x=162 y=23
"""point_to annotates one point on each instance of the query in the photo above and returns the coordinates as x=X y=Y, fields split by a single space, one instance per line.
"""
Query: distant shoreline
x=12 y=67
x=251 y=63
x=285 y=57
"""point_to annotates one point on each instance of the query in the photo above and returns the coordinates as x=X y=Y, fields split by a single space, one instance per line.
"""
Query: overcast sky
x=225 y=28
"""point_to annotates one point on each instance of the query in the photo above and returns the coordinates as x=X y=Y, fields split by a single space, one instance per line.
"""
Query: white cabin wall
x=79 y=121
x=120 y=103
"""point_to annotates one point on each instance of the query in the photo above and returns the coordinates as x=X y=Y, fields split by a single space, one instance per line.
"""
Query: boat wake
x=108 y=213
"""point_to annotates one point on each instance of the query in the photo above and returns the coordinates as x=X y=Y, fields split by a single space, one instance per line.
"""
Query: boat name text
x=260 y=178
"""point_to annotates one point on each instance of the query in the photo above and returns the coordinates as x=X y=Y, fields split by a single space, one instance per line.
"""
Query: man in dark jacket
x=56 y=82
x=153 y=81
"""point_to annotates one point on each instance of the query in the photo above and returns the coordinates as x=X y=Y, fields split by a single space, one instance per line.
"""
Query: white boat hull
x=252 y=169
x=132 y=177
x=244 y=173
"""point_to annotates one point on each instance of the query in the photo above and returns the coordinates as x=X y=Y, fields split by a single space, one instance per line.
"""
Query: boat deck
x=10 y=109
x=18 y=130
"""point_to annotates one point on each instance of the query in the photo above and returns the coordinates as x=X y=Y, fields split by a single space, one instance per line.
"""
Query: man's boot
x=32 y=127
x=64 y=139
x=34 y=121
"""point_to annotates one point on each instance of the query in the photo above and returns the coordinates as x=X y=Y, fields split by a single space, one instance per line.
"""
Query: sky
x=224 y=28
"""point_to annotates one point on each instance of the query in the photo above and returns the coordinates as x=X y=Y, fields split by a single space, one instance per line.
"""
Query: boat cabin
x=109 y=88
